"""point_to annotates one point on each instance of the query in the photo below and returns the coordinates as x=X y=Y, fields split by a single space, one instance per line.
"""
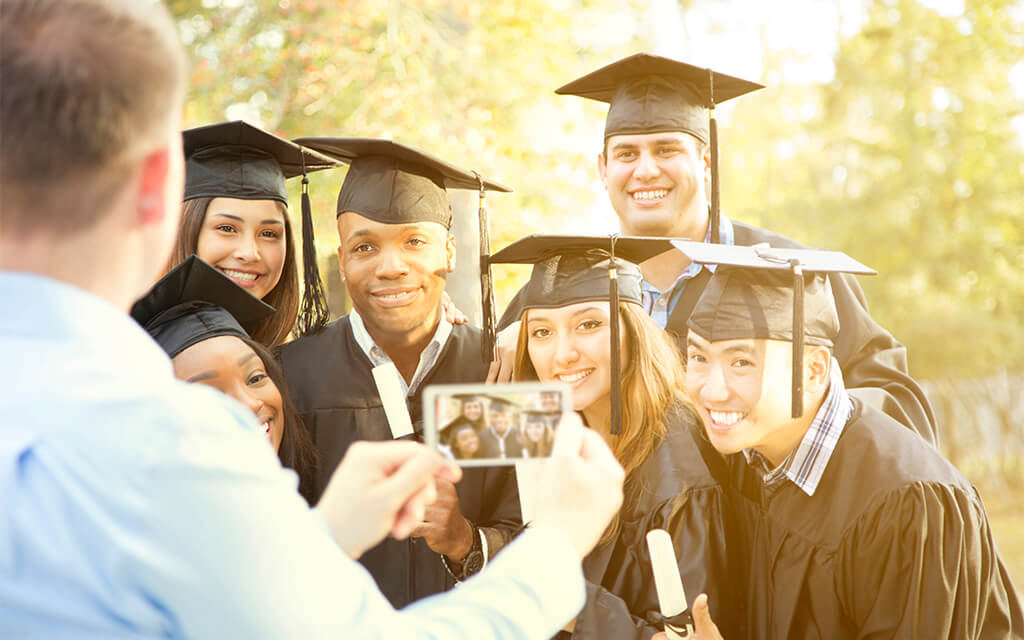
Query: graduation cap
x=238 y=160
x=652 y=94
x=195 y=302
x=572 y=269
x=498 y=403
x=765 y=293
x=450 y=430
x=392 y=183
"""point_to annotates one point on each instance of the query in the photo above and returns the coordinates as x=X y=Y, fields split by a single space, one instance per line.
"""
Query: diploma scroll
x=671 y=596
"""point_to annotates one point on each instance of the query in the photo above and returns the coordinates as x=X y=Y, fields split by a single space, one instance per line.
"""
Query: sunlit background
x=889 y=129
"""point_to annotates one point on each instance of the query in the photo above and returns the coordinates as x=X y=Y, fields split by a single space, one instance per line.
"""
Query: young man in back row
x=654 y=163
x=136 y=505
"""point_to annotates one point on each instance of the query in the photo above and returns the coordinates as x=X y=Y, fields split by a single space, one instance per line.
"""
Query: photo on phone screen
x=490 y=424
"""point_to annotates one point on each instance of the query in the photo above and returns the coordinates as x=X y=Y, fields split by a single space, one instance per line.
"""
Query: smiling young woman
x=200 y=318
x=251 y=242
x=629 y=389
x=235 y=217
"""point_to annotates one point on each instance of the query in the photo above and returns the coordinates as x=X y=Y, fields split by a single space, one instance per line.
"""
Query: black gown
x=332 y=385
x=894 y=543
x=682 y=495
x=874 y=364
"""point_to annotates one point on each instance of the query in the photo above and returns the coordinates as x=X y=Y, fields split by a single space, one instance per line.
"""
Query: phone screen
x=493 y=424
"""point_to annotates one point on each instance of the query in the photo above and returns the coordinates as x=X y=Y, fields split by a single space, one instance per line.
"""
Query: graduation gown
x=490 y=444
x=874 y=364
x=894 y=543
x=332 y=386
x=681 y=495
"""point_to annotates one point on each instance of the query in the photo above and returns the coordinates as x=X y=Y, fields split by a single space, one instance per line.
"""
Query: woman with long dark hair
x=199 y=317
x=235 y=217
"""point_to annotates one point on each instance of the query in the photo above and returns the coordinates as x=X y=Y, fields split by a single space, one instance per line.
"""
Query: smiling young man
x=361 y=378
x=655 y=161
x=499 y=439
x=849 y=525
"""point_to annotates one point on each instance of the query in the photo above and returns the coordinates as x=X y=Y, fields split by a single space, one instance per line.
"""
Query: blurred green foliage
x=907 y=159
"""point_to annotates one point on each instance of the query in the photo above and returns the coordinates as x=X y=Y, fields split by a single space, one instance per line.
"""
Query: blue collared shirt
x=806 y=464
x=135 y=505
x=660 y=304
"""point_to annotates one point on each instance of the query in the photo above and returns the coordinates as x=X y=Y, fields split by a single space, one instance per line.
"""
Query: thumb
x=703 y=625
x=410 y=478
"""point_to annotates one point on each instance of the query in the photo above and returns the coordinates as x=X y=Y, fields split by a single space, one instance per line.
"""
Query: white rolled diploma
x=671 y=596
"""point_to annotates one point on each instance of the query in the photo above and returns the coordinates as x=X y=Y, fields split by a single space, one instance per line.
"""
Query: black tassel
x=313 y=310
x=616 y=356
x=713 y=141
x=489 y=348
x=798 y=338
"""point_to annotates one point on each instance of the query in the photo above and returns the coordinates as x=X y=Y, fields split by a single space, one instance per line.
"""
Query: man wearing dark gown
x=850 y=526
x=361 y=377
x=656 y=158
x=499 y=439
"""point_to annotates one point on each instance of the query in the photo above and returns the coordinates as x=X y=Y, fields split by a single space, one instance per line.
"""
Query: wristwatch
x=473 y=562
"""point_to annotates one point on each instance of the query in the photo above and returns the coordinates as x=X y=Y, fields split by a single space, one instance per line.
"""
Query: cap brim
x=603 y=83
x=289 y=155
x=765 y=257
x=537 y=247
x=349 y=149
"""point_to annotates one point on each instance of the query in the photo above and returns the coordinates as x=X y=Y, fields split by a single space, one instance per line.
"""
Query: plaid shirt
x=806 y=464
x=659 y=305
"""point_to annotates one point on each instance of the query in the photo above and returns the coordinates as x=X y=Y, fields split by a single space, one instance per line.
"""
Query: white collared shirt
x=428 y=357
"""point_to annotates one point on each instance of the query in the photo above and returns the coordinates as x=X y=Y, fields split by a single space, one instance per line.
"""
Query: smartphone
x=479 y=425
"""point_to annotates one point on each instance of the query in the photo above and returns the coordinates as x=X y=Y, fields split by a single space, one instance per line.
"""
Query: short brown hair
x=284 y=297
x=89 y=86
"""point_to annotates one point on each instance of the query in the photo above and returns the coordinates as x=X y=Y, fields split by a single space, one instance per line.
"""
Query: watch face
x=473 y=562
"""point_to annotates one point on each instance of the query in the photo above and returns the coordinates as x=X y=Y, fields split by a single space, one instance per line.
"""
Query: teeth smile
x=574 y=377
x=656 y=194
x=393 y=296
x=240 y=275
x=726 y=418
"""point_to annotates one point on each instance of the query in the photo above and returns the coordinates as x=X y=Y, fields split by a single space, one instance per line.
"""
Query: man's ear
x=152 y=200
x=450 y=252
x=817 y=362
x=602 y=169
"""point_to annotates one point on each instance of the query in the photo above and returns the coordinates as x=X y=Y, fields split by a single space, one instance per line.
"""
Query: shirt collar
x=377 y=356
x=806 y=464
x=726 y=235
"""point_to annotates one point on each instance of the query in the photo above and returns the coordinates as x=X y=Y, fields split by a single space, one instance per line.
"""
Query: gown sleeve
x=874 y=363
x=923 y=564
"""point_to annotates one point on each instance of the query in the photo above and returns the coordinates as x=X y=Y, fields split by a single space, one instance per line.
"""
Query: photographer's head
x=91 y=164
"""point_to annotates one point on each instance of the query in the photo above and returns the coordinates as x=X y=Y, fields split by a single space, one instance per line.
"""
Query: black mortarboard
x=394 y=184
x=195 y=302
x=652 y=94
x=238 y=160
x=501 y=403
x=775 y=294
x=572 y=269
x=450 y=430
